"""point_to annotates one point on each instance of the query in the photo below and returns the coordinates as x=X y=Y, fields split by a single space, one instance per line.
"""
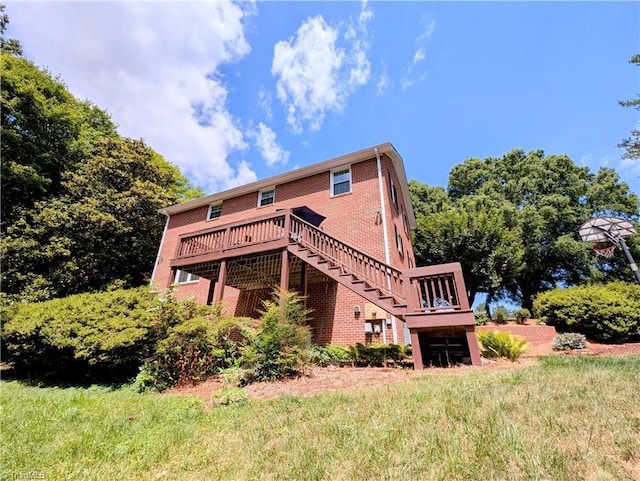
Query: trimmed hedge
x=90 y=337
x=606 y=313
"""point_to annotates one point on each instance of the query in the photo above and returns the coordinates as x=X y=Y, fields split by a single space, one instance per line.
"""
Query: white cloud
x=383 y=81
x=271 y=151
x=153 y=67
x=426 y=34
x=316 y=72
x=409 y=76
x=264 y=101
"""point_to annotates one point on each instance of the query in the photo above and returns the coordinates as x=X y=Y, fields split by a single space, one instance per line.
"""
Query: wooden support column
x=284 y=272
x=218 y=292
x=474 y=351
x=415 y=349
x=303 y=282
x=172 y=277
x=212 y=285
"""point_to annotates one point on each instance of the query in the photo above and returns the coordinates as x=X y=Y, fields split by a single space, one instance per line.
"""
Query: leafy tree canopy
x=512 y=222
x=79 y=202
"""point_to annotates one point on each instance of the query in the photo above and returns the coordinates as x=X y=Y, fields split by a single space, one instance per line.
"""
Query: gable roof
x=296 y=174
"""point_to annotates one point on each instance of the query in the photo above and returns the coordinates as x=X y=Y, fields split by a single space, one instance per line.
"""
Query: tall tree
x=542 y=200
x=45 y=132
x=632 y=144
x=102 y=229
x=477 y=232
x=79 y=202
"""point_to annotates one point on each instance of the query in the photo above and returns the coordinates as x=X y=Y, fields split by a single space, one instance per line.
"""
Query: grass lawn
x=567 y=418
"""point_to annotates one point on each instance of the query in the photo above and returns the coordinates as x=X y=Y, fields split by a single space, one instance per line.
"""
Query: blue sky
x=234 y=92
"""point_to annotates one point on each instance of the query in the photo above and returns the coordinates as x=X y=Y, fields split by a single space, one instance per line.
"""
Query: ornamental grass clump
x=501 y=344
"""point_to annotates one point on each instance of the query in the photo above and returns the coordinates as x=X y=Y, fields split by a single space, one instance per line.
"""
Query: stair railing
x=348 y=259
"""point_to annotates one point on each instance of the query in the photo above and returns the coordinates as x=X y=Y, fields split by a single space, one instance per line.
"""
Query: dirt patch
x=332 y=379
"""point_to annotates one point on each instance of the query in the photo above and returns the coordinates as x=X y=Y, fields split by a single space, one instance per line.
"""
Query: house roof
x=348 y=159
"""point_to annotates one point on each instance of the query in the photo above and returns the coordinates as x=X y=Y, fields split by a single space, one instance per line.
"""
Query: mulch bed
x=332 y=379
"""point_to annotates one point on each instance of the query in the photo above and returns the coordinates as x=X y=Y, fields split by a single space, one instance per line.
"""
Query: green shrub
x=90 y=337
x=607 y=313
x=501 y=314
x=501 y=344
x=522 y=315
x=196 y=349
x=569 y=340
x=376 y=354
x=282 y=345
x=481 y=318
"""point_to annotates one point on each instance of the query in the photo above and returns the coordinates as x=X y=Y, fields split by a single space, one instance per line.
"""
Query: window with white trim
x=341 y=181
x=215 y=211
x=266 y=197
x=183 y=277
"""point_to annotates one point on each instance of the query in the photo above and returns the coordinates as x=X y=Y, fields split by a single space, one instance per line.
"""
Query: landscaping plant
x=607 y=313
x=281 y=347
x=501 y=344
x=568 y=341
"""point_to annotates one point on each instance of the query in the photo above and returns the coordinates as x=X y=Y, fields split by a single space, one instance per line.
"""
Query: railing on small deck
x=256 y=231
x=348 y=259
x=436 y=289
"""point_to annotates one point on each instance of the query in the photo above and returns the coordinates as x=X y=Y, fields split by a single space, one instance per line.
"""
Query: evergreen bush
x=569 y=340
x=282 y=345
x=522 y=315
x=607 y=313
x=90 y=337
x=501 y=314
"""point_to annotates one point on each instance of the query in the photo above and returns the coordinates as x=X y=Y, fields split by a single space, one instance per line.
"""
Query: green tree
x=45 y=132
x=540 y=199
x=11 y=45
x=102 y=228
x=476 y=232
x=632 y=143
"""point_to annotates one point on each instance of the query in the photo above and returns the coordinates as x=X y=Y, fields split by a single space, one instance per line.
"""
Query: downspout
x=387 y=255
x=164 y=233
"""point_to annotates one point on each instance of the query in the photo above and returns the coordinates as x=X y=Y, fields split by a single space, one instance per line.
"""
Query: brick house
x=339 y=232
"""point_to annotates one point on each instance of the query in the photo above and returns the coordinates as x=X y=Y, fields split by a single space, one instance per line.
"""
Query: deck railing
x=232 y=236
x=349 y=259
x=436 y=289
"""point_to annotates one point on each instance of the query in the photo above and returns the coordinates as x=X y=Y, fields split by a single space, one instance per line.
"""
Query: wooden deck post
x=303 y=283
x=415 y=349
x=472 y=341
x=284 y=271
x=218 y=292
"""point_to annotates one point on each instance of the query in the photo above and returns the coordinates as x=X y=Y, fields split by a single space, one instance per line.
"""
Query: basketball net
x=606 y=252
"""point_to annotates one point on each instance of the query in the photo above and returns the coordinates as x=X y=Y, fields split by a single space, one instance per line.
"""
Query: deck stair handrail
x=348 y=259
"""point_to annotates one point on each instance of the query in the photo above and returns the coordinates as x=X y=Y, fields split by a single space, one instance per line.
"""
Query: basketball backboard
x=606 y=229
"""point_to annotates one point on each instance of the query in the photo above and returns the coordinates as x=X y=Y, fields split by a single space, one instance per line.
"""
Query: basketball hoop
x=606 y=252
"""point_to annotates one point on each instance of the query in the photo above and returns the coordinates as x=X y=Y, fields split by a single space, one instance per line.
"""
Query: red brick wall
x=353 y=217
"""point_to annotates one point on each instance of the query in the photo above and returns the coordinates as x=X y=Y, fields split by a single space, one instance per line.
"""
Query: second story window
x=341 y=181
x=215 y=211
x=266 y=197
